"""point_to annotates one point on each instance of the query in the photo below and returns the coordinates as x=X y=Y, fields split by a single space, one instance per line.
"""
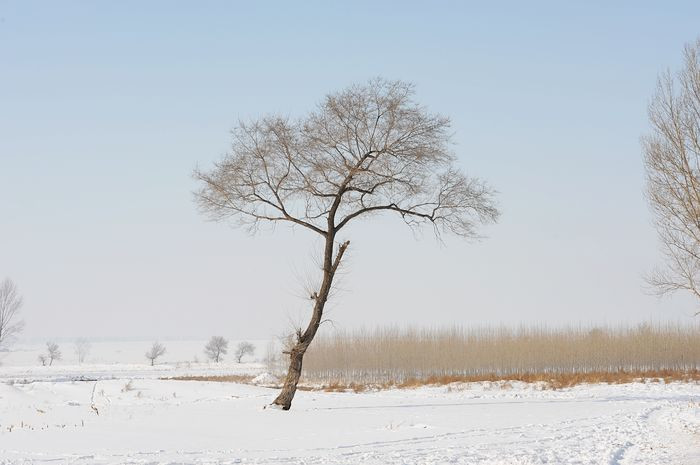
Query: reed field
x=406 y=355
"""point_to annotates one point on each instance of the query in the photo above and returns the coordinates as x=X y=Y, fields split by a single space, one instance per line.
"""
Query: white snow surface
x=154 y=421
x=265 y=379
x=46 y=417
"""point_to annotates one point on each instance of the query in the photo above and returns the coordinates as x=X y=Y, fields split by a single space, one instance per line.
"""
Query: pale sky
x=106 y=108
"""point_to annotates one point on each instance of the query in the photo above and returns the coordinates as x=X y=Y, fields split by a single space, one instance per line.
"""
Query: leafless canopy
x=53 y=352
x=216 y=348
x=10 y=304
x=364 y=150
x=244 y=348
x=672 y=160
x=82 y=349
x=156 y=350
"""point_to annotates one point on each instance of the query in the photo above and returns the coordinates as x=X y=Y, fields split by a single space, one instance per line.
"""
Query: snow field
x=150 y=421
x=46 y=416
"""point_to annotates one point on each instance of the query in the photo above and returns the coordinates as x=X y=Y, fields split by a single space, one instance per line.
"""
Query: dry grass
x=354 y=387
x=242 y=379
x=560 y=357
x=562 y=380
x=543 y=380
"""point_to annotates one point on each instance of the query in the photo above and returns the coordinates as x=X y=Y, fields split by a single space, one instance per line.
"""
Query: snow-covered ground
x=145 y=420
x=166 y=421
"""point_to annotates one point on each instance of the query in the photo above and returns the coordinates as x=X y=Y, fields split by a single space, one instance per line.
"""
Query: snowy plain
x=123 y=359
x=46 y=417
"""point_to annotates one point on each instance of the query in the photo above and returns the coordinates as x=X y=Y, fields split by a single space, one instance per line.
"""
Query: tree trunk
x=296 y=354
x=296 y=357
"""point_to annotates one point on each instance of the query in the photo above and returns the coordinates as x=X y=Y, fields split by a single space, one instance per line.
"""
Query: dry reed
x=560 y=357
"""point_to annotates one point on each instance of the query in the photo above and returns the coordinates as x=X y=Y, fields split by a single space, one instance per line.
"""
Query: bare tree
x=53 y=352
x=272 y=358
x=43 y=359
x=10 y=304
x=156 y=350
x=216 y=348
x=365 y=150
x=82 y=349
x=672 y=161
x=244 y=348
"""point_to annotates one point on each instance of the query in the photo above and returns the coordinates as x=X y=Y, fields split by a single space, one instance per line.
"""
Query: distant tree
x=53 y=352
x=10 y=304
x=243 y=349
x=366 y=150
x=82 y=349
x=216 y=348
x=672 y=161
x=156 y=350
x=42 y=359
x=272 y=357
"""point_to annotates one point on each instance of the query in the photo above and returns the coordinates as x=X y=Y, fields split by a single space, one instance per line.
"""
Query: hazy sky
x=106 y=107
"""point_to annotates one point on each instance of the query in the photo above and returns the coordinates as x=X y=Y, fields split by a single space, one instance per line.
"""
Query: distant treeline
x=394 y=355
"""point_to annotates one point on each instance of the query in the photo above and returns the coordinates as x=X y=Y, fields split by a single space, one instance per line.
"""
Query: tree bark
x=296 y=354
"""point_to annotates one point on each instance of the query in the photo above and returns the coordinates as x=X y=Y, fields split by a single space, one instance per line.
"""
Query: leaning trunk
x=296 y=354
x=296 y=357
